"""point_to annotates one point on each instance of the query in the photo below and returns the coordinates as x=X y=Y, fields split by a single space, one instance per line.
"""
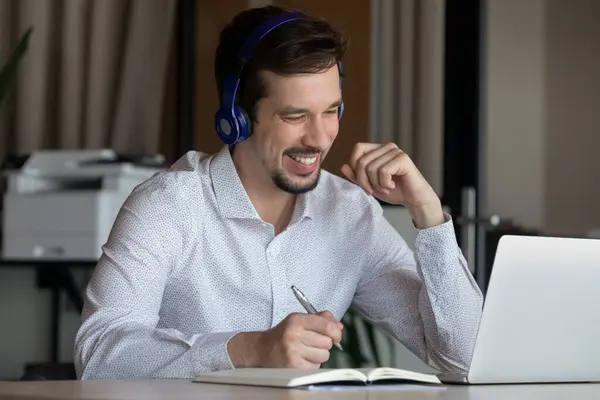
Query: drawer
x=51 y=247
x=68 y=213
x=50 y=212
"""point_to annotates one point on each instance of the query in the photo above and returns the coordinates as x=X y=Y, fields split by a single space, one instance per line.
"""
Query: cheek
x=284 y=136
x=271 y=145
x=269 y=137
x=333 y=127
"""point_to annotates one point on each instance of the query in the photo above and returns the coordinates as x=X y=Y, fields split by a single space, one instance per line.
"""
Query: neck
x=272 y=204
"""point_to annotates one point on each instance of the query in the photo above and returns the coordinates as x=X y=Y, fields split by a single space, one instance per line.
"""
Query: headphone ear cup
x=227 y=126
x=243 y=122
x=341 y=75
x=247 y=124
x=341 y=110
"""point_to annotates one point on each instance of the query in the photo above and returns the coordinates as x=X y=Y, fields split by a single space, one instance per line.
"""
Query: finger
x=314 y=339
x=397 y=166
x=360 y=165
x=314 y=355
x=323 y=326
x=349 y=172
x=329 y=315
x=380 y=177
x=360 y=149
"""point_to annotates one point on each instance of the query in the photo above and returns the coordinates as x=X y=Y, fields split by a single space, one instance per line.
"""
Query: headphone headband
x=257 y=34
x=231 y=121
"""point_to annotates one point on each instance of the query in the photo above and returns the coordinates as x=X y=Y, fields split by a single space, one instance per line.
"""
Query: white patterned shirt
x=189 y=263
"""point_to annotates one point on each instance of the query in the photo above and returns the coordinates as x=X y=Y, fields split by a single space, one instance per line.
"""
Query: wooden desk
x=184 y=389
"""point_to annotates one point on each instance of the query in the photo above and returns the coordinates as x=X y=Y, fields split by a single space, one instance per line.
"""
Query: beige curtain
x=95 y=74
x=408 y=59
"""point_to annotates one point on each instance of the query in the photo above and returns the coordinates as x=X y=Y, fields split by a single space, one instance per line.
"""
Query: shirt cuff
x=211 y=353
x=447 y=219
x=430 y=241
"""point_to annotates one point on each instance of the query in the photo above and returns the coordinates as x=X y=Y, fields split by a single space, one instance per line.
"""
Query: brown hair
x=306 y=45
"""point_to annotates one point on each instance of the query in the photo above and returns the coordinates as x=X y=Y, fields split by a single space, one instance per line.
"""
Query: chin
x=297 y=184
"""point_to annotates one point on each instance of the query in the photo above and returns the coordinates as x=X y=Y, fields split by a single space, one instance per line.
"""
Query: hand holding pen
x=310 y=309
x=300 y=340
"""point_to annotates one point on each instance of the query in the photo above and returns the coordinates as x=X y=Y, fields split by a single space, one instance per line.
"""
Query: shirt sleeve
x=119 y=338
x=427 y=299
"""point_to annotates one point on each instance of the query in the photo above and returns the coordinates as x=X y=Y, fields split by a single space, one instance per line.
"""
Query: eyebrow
x=290 y=110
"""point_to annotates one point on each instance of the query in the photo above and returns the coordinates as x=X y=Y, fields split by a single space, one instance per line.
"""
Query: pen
x=308 y=307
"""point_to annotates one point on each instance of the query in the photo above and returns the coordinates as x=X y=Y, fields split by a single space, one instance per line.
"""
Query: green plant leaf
x=9 y=70
x=358 y=353
x=354 y=354
x=370 y=330
x=352 y=342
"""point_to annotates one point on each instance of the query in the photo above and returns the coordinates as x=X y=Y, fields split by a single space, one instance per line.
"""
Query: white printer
x=61 y=204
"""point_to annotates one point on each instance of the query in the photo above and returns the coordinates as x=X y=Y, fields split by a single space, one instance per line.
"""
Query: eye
x=294 y=118
x=332 y=111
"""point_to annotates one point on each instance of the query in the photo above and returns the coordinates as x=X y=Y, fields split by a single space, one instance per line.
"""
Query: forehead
x=302 y=89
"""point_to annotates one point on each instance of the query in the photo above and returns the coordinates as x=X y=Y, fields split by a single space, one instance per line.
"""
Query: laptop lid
x=541 y=318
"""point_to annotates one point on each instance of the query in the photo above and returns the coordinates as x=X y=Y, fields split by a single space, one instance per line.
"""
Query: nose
x=320 y=132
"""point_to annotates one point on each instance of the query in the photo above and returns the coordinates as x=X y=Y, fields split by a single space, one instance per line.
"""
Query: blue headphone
x=232 y=122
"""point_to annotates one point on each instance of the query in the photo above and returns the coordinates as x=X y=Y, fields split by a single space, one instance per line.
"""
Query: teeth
x=305 y=160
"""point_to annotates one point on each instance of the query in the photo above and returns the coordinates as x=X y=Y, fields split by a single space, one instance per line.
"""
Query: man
x=197 y=272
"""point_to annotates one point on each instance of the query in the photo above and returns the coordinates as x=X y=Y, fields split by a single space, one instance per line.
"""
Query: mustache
x=303 y=151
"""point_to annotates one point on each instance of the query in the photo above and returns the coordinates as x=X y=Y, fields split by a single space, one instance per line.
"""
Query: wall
x=541 y=95
x=514 y=114
x=572 y=116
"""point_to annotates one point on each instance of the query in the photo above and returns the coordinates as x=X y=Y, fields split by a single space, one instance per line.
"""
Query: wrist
x=243 y=350
x=427 y=215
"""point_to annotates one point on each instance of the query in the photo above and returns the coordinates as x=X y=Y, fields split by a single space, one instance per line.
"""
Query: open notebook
x=284 y=377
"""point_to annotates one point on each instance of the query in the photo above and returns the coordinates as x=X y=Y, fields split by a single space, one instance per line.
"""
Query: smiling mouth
x=305 y=160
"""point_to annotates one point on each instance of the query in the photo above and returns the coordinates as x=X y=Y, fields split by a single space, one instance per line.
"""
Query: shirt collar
x=304 y=207
x=232 y=198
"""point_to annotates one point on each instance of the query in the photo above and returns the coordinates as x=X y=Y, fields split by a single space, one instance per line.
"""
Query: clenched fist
x=388 y=173
x=299 y=341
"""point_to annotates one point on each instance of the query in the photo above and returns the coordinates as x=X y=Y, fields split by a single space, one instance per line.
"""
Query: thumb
x=349 y=172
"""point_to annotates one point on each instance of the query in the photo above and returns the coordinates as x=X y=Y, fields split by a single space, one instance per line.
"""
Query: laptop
x=541 y=316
